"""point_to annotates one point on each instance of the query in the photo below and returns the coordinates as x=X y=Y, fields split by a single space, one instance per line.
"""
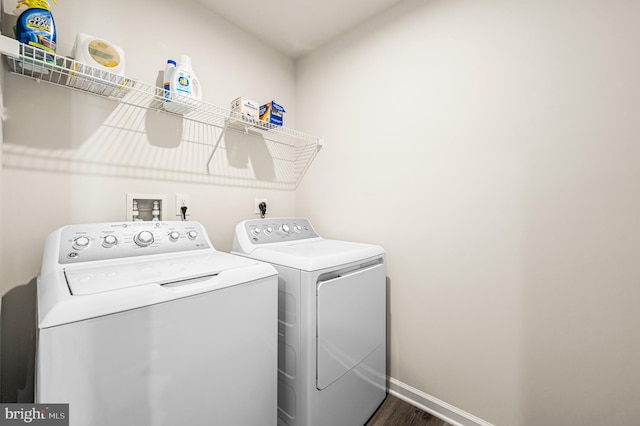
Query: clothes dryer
x=146 y=324
x=332 y=321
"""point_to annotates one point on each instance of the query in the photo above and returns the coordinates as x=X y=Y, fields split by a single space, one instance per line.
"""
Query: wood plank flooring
x=396 y=412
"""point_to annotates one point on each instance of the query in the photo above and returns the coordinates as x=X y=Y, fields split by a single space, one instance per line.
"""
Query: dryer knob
x=192 y=235
x=109 y=241
x=268 y=230
x=143 y=239
x=255 y=231
x=297 y=229
x=81 y=243
x=284 y=228
x=174 y=235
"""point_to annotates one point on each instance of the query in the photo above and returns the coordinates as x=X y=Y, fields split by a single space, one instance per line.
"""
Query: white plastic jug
x=185 y=89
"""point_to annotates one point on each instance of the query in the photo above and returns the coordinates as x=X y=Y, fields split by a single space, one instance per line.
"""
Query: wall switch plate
x=182 y=200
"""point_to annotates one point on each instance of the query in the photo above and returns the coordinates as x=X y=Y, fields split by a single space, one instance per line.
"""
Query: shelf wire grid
x=292 y=151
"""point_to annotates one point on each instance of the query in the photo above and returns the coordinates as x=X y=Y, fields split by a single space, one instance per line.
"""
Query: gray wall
x=1 y=140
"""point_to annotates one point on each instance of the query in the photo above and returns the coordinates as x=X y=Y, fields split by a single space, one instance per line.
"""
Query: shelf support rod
x=215 y=147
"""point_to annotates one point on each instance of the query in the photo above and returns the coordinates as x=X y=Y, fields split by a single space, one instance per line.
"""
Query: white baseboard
x=433 y=405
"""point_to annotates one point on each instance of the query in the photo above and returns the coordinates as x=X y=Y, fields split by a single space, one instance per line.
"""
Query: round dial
x=143 y=239
x=268 y=230
x=109 y=241
x=81 y=243
x=192 y=235
x=255 y=231
x=297 y=229
x=285 y=228
x=174 y=235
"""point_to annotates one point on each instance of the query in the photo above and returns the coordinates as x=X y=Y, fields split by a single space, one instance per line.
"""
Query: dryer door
x=351 y=312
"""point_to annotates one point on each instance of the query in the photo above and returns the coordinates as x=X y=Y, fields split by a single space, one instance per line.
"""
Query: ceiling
x=296 y=27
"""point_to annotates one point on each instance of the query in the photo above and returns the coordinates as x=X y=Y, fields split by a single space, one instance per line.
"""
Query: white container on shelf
x=99 y=53
x=169 y=69
x=98 y=67
x=185 y=89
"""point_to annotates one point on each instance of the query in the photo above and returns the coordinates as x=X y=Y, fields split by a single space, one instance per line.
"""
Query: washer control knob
x=268 y=230
x=255 y=231
x=285 y=228
x=297 y=229
x=109 y=241
x=192 y=235
x=174 y=235
x=143 y=239
x=81 y=243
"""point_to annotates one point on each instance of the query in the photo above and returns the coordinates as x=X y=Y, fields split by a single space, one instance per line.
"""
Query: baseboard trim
x=433 y=405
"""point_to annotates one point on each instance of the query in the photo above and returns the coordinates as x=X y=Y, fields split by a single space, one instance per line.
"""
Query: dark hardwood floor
x=396 y=412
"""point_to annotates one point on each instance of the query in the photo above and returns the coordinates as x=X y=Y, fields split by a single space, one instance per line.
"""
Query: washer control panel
x=101 y=241
x=263 y=231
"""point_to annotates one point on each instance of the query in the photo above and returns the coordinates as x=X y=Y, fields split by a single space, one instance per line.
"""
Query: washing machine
x=146 y=324
x=331 y=321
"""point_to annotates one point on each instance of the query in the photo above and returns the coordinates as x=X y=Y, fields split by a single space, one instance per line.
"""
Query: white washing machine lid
x=315 y=254
x=167 y=271
x=79 y=293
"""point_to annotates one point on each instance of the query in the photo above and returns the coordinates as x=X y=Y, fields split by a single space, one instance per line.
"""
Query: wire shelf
x=298 y=149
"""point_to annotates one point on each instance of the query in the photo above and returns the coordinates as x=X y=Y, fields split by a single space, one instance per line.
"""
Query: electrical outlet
x=182 y=200
x=256 y=205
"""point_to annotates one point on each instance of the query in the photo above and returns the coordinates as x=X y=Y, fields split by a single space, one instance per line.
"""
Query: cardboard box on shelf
x=247 y=109
x=272 y=113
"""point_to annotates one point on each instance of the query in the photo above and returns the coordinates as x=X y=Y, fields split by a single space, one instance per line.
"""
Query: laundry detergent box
x=248 y=109
x=272 y=114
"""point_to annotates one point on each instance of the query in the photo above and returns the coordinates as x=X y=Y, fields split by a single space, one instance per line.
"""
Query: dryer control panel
x=263 y=231
x=102 y=241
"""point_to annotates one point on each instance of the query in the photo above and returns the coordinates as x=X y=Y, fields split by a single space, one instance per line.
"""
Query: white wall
x=45 y=125
x=492 y=148
x=229 y=63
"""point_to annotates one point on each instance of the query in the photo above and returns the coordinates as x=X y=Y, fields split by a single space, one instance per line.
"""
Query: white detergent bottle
x=169 y=69
x=185 y=88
